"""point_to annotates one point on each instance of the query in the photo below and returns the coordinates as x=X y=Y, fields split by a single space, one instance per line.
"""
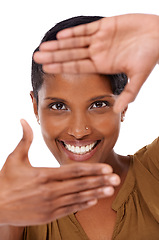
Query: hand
x=32 y=196
x=126 y=43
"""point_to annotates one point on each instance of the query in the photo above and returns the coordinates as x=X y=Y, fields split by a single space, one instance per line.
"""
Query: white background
x=22 y=26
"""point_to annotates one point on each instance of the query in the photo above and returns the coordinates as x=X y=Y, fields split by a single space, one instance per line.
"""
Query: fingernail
x=92 y=202
x=115 y=180
x=108 y=190
x=106 y=170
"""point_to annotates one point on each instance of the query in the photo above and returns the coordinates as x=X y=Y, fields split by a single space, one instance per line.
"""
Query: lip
x=79 y=143
x=79 y=157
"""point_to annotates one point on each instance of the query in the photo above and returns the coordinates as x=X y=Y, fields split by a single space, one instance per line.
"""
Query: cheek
x=51 y=129
x=108 y=125
x=51 y=125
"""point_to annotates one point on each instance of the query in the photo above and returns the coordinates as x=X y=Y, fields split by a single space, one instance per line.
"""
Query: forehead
x=77 y=85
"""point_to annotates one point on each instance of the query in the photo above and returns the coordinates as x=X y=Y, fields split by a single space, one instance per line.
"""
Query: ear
x=35 y=106
x=123 y=114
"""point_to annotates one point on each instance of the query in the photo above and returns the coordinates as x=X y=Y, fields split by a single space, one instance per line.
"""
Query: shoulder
x=147 y=159
x=146 y=172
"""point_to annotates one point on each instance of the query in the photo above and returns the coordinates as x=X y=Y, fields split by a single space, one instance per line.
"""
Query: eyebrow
x=55 y=99
x=92 y=99
x=102 y=96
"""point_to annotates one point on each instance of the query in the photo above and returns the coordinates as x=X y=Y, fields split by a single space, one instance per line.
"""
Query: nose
x=79 y=126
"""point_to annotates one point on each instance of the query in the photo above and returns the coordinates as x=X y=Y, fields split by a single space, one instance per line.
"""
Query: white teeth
x=80 y=150
x=72 y=148
x=87 y=148
x=77 y=150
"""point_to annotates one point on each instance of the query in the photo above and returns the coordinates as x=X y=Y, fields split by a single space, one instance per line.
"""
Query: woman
x=78 y=124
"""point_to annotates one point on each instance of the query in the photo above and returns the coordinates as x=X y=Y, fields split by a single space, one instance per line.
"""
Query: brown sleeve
x=146 y=170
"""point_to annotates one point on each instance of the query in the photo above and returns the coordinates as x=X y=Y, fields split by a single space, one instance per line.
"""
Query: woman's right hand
x=33 y=196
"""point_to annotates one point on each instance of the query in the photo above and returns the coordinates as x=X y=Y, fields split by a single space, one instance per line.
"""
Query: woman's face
x=77 y=119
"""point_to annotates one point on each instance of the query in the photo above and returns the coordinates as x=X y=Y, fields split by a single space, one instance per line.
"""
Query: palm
x=116 y=49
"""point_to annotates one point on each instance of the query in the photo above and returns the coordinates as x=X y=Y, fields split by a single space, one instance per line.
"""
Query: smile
x=80 y=149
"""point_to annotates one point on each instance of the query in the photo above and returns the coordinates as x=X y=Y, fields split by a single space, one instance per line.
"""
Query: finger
x=83 y=169
x=67 y=187
x=82 y=66
x=24 y=145
x=71 y=43
x=61 y=56
x=86 y=183
x=129 y=93
x=72 y=171
x=48 y=213
x=81 y=197
x=81 y=30
x=66 y=210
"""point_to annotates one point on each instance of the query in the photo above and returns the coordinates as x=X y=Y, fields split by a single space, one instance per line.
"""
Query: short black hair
x=118 y=81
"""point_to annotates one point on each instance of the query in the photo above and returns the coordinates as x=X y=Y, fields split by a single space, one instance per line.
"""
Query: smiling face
x=77 y=119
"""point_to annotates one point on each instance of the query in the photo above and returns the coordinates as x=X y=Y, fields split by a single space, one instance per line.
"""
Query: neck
x=120 y=164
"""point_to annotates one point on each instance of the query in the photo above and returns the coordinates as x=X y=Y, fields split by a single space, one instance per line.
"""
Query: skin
x=107 y=46
x=66 y=105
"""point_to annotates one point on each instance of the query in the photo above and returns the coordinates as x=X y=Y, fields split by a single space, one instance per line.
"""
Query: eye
x=57 y=106
x=100 y=104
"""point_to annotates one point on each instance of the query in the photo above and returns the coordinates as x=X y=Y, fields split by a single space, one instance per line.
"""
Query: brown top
x=137 y=205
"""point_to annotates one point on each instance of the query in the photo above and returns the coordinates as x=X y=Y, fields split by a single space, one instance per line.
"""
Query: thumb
x=129 y=93
x=23 y=147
